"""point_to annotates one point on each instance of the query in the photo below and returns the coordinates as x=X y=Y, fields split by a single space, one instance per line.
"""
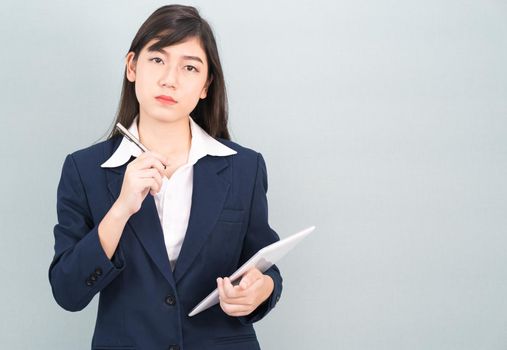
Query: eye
x=156 y=59
x=193 y=69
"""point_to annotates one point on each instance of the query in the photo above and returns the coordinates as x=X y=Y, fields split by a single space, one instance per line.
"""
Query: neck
x=171 y=139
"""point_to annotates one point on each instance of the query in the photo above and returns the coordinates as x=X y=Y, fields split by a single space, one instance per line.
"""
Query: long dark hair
x=172 y=24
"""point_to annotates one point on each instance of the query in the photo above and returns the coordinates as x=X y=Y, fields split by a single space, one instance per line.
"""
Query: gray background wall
x=383 y=123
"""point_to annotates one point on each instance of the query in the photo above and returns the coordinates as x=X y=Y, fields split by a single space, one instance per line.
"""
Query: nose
x=169 y=77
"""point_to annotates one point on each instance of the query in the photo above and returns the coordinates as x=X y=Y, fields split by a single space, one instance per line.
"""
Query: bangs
x=170 y=37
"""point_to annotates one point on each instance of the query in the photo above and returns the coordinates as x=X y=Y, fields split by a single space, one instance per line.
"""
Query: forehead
x=190 y=47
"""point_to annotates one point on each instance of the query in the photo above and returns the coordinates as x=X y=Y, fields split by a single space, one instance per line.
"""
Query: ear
x=130 y=63
x=204 y=91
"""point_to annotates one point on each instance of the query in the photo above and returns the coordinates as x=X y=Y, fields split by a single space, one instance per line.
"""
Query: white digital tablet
x=262 y=260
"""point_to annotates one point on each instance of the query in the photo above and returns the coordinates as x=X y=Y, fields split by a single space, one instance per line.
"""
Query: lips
x=165 y=98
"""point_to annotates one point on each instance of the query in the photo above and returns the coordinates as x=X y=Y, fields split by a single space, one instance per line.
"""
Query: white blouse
x=174 y=200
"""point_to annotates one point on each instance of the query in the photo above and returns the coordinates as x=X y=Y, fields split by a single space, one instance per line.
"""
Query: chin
x=168 y=117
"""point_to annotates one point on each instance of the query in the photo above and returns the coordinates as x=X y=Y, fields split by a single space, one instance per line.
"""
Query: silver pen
x=132 y=139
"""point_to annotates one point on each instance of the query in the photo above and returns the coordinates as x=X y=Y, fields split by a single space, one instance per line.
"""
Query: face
x=178 y=71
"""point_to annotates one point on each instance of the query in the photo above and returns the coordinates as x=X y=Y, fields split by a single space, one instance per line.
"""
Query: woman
x=153 y=232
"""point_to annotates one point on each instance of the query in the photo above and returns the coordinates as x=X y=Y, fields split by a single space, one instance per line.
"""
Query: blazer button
x=174 y=347
x=170 y=300
x=93 y=278
x=98 y=271
x=89 y=283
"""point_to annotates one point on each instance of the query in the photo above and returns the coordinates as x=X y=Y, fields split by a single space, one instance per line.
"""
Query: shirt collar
x=202 y=144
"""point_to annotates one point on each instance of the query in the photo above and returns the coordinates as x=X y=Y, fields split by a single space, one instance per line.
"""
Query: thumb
x=247 y=279
x=244 y=283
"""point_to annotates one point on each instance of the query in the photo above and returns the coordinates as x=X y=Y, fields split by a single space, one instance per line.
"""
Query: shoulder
x=247 y=158
x=249 y=161
x=244 y=154
x=96 y=153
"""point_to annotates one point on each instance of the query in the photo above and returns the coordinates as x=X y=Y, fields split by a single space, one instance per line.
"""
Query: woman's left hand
x=242 y=299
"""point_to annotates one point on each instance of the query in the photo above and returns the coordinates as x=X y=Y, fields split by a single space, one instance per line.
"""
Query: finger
x=149 y=184
x=160 y=157
x=249 y=278
x=147 y=162
x=221 y=292
x=152 y=174
x=152 y=154
x=224 y=299
x=228 y=288
x=246 y=280
x=235 y=309
x=156 y=185
x=232 y=291
x=149 y=173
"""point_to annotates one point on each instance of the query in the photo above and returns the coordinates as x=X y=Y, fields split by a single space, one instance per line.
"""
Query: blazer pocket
x=236 y=339
x=232 y=215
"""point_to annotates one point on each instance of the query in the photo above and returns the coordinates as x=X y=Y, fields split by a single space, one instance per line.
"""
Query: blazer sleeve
x=259 y=234
x=80 y=267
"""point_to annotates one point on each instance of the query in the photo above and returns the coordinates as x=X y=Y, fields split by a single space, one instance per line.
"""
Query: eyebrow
x=185 y=57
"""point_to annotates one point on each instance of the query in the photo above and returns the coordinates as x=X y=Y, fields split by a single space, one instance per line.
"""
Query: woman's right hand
x=144 y=174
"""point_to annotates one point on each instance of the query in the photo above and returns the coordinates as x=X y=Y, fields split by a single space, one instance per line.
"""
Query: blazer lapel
x=210 y=188
x=145 y=224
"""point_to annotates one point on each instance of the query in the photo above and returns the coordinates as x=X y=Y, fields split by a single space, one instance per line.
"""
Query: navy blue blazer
x=143 y=304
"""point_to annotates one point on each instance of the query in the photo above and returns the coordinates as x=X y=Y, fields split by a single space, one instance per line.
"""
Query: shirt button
x=170 y=300
x=174 y=347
